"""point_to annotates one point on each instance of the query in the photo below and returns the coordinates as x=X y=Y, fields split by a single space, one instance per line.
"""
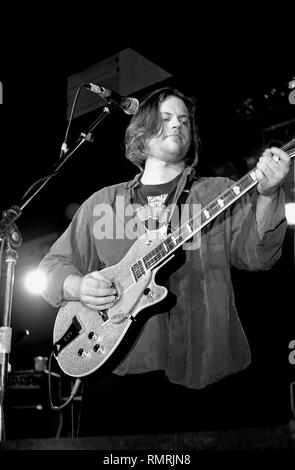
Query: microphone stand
x=11 y=239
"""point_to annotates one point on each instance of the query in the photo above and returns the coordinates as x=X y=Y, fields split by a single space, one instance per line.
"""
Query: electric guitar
x=86 y=339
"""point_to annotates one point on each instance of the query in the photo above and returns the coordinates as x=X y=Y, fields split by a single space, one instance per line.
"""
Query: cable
x=64 y=146
x=62 y=150
x=72 y=394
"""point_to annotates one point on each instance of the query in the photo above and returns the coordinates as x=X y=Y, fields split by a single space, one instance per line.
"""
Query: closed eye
x=166 y=117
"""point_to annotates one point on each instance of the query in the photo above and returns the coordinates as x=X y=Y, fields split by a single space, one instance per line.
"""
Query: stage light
x=290 y=213
x=35 y=282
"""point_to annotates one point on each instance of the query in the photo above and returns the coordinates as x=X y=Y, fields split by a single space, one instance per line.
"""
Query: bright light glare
x=35 y=282
x=290 y=213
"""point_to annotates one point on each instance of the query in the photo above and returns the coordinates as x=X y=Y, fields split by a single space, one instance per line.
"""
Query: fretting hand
x=272 y=168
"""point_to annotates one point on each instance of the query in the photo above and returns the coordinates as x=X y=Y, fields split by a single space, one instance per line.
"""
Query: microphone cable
x=63 y=149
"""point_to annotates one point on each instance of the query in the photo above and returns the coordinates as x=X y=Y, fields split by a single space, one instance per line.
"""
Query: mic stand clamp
x=88 y=137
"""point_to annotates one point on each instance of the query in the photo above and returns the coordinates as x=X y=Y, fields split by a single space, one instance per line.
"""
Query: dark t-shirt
x=154 y=203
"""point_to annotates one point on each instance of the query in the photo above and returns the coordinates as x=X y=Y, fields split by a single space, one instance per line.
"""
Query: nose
x=175 y=122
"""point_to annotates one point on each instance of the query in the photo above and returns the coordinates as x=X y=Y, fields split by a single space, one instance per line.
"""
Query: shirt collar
x=187 y=172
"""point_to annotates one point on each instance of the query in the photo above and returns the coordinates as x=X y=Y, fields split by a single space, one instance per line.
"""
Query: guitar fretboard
x=175 y=239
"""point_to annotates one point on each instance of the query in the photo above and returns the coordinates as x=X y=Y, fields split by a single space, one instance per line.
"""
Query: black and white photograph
x=147 y=220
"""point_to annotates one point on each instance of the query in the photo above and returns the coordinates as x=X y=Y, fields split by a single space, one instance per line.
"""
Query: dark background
x=237 y=61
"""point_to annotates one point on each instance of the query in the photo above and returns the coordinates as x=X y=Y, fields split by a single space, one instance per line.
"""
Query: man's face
x=173 y=143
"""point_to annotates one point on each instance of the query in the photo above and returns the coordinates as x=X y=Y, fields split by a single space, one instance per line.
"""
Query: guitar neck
x=196 y=223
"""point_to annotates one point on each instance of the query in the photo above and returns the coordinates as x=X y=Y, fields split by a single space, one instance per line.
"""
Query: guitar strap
x=182 y=198
x=181 y=201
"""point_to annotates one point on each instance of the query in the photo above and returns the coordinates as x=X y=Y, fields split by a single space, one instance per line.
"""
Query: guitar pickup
x=71 y=333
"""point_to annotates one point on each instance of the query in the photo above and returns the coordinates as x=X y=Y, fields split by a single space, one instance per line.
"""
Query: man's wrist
x=71 y=287
x=269 y=192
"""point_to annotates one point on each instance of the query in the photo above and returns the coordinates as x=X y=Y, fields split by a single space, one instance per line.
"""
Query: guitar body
x=100 y=333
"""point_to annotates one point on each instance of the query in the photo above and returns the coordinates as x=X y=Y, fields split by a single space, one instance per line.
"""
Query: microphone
x=128 y=104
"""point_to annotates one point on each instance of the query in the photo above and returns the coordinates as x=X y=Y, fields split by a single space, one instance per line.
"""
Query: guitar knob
x=98 y=348
x=93 y=336
x=82 y=352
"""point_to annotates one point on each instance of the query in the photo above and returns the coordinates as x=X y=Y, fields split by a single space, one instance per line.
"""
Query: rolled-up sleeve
x=247 y=250
x=73 y=253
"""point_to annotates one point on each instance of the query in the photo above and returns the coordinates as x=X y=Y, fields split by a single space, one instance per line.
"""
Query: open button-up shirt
x=200 y=339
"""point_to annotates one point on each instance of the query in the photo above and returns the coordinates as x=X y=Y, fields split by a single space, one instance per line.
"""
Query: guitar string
x=182 y=231
x=290 y=143
x=155 y=255
x=179 y=234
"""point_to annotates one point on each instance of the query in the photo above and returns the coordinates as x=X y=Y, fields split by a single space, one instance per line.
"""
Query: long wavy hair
x=147 y=122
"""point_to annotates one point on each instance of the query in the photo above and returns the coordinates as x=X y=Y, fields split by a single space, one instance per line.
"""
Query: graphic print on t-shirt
x=154 y=204
x=154 y=214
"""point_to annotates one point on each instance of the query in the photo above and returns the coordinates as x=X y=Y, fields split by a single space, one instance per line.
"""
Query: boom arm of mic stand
x=10 y=235
x=14 y=212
